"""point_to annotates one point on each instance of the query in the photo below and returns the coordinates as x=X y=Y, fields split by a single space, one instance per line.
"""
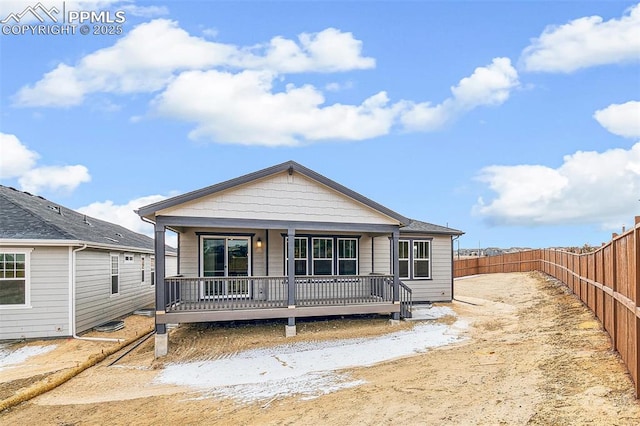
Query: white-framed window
x=347 y=256
x=300 y=255
x=115 y=274
x=142 y=266
x=129 y=258
x=414 y=259
x=403 y=258
x=322 y=256
x=422 y=259
x=153 y=270
x=15 y=277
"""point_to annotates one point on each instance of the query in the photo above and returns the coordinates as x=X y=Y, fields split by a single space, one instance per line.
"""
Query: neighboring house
x=62 y=272
x=287 y=242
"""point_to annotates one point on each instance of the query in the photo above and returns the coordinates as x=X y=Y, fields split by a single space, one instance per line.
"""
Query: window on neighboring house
x=422 y=259
x=153 y=270
x=403 y=258
x=14 y=278
x=299 y=254
x=347 y=256
x=115 y=274
x=128 y=258
x=322 y=256
x=142 y=265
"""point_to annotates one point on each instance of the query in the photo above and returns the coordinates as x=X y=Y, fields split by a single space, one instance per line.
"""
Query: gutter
x=16 y=242
x=72 y=300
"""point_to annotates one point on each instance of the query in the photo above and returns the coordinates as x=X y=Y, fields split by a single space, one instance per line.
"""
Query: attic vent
x=111 y=239
x=55 y=209
x=119 y=234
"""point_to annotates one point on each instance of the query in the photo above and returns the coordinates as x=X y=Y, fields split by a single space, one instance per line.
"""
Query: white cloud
x=153 y=53
x=229 y=93
x=329 y=50
x=490 y=85
x=589 y=187
x=621 y=119
x=585 y=42
x=142 y=61
x=124 y=215
x=66 y=178
x=18 y=161
x=246 y=110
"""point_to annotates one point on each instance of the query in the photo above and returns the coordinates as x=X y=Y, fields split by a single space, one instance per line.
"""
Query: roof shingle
x=26 y=216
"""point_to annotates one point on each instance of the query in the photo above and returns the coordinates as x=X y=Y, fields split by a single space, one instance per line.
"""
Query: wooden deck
x=206 y=299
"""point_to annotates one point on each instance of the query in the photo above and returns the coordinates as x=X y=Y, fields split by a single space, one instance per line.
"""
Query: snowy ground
x=9 y=358
x=309 y=369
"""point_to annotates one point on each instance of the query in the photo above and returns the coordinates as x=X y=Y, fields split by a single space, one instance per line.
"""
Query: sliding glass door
x=229 y=259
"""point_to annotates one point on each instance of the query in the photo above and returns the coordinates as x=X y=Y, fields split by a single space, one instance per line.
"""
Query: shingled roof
x=30 y=217
x=419 y=227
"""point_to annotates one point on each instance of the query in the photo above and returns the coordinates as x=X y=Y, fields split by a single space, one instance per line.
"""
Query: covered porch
x=238 y=269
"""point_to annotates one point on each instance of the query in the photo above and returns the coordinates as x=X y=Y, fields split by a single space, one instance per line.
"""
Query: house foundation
x=162 y=345
x=290 y=331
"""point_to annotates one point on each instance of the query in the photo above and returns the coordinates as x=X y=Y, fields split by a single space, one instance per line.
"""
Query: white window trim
x=143 y=269
x=286 y=255
x=427 y=259
x=129 y=258
x=152 y=270
x=111 y=274
x=407 y=259
x=313 y=258
x=411 y=270
x=338 y=258
x=27 y=277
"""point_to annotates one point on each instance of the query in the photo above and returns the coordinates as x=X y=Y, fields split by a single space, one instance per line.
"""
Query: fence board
x=607 y=281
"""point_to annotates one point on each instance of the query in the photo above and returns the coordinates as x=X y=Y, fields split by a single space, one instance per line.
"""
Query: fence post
x=614 y=290
x=636 y=336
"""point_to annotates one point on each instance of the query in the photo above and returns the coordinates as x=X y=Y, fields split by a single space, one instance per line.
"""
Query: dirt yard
x=532 y=355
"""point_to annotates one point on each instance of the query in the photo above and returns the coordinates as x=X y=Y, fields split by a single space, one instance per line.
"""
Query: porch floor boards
x=252 y=304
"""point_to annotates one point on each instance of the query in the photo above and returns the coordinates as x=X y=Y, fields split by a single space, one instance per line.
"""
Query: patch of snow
x=9 y=357
x=305 y=368
x=429 y=312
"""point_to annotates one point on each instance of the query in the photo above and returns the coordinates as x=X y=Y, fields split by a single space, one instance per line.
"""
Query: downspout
x=452 y=269
x=72 y=304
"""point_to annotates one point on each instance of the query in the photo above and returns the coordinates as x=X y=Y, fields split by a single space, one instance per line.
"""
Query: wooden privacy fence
x=606 y=280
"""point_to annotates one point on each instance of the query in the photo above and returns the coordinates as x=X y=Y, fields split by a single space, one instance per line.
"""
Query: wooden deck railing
x=606 y=280
x=233 y=293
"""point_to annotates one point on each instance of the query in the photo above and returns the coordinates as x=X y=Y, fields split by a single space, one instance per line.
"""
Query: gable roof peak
x=290 y=167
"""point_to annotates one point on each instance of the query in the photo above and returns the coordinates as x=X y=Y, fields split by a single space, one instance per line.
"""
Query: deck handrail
x=258 y=292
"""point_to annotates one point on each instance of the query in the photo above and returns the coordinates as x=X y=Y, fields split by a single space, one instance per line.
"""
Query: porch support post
x=161 y=338
x=290 y=328
x=395 y=239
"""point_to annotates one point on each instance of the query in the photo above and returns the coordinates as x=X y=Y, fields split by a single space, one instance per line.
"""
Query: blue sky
x=516 y=122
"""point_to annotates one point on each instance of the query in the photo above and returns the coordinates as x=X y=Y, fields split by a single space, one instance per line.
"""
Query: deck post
x=395 y=240
x=161 y=339
x=290 y=328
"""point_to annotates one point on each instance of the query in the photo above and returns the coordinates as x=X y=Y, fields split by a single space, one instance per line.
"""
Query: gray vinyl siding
x=48 y=315
x=190 y=251
x=272 y=251
x=95 y=303
x=438 y=288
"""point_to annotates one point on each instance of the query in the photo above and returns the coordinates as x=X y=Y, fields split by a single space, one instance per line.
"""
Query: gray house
x=287 y=242
x=62 y=273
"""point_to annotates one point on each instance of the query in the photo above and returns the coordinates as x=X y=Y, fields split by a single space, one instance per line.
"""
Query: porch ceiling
x=176 y=222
